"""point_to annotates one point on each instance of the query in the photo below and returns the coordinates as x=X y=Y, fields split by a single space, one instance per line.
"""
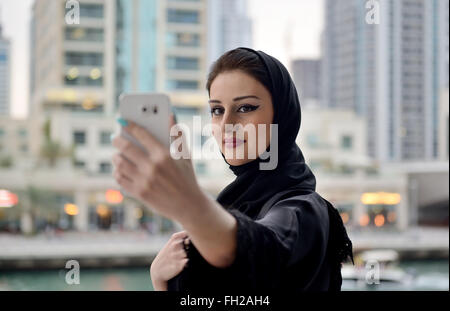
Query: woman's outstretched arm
x=169 y=187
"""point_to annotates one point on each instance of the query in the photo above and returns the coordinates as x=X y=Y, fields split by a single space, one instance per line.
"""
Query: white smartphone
x=149 y=110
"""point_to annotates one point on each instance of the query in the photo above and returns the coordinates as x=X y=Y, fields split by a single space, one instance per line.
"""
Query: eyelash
x=251 y=107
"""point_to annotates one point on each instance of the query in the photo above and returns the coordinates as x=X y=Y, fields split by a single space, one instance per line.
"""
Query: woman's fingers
x=180 y=234
x=124 y=166
x=180 y=254
x=184 y=262
x=123 y=180
x=133 y=153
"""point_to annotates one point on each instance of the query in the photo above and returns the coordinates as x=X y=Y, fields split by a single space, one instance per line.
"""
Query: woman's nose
x=228 y=119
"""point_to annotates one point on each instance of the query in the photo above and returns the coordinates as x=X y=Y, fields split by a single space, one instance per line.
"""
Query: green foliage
x=6 y=161
x=52 y=150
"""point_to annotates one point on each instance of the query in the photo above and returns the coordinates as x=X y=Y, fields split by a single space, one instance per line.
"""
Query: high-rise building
x=307 y=79
x=5 y=74
x=391 y=72
x=229 y=27
x=444 y=143
x=73 y=64
x=161 y=45
x=117 y=46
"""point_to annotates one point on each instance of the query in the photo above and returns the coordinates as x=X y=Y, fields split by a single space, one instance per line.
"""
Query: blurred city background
x=373 y=81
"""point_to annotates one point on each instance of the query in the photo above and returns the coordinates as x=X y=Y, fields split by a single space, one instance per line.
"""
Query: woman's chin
x=237 y=162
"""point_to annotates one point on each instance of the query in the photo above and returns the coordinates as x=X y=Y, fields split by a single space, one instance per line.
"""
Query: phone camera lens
x=155 y=110
x=144 y=109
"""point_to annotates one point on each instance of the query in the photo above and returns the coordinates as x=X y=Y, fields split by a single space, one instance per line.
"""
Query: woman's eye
x=247 y=108
x=216 y=111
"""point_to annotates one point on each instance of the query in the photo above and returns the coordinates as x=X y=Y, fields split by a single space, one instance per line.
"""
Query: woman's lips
x=233 y=142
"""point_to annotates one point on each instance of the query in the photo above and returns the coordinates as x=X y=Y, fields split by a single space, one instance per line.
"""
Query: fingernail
x=122 y=122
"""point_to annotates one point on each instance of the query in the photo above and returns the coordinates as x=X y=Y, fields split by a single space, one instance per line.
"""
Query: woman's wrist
x=158 y=283
x=212 y=229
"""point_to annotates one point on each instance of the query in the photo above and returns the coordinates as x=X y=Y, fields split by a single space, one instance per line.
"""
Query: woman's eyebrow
x=235 y=99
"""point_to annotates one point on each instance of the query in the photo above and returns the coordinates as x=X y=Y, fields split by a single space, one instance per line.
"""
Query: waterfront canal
x=430 y=275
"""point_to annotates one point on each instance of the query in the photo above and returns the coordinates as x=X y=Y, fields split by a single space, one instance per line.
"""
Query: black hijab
x=253 y=187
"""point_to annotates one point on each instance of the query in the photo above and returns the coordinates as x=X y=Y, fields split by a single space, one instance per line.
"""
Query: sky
x=285 y=29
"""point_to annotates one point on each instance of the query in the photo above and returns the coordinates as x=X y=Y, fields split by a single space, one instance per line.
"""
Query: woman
x=297 y=242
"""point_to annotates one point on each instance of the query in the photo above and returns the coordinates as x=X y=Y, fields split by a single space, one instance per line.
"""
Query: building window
x=79 y=137
x=200 y=168
x=91 y=10
x=174 y=39
x=105 y=168
x=314 y=164
x=83 y=81
x=182 y=85
x=182 y=16
x=84 y=59
x=84 y=34
x=313 y=140
x=347 y=142
x=182 y=63
x=105 y=138
x=22 y=132
x=79 y=164
x=23 y=148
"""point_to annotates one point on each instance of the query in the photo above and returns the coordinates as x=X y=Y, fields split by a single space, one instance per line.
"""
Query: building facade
x=391 y=72
x=307 y=79
x=5 y=74
x=229 y=27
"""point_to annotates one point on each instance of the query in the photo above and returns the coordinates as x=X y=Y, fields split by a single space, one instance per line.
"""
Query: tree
x=6 y=161
x=52 y=150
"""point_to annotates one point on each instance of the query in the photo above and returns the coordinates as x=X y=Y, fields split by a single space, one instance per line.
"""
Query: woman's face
x=239 y=103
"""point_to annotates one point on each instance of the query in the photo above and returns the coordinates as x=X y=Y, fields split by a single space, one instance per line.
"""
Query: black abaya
x=300 y=243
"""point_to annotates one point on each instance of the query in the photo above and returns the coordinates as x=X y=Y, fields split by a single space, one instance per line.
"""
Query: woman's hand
x=162 y=183
x=169 y=262
x=170 y=188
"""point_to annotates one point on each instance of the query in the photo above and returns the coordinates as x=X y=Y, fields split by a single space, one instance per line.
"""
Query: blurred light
x=392 y=198
x=95 y=74
x=66 y=95
x=344 y=217
x=386 y=198
x=186 y=38
x=73 y=73
x=102 y=210
x=78 y=33
x=364 y=220
x=379 y=220
x=7 y=198
x=113 y=196
x=88 y=104
x=71 y=209
x=403 y=131
x=138 y=213
x=391 y=216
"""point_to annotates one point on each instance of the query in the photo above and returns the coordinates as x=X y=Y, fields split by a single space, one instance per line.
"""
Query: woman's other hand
x=169 y=262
